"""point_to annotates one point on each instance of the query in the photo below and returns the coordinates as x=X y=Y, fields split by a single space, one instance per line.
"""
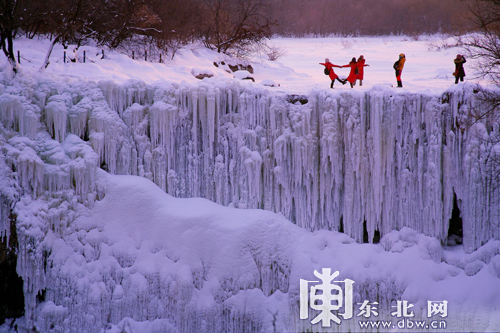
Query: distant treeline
x=228 y=26
x=369 y=17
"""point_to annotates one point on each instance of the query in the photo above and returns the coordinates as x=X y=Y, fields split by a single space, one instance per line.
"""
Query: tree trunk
x=8 y=48
x=46 y=62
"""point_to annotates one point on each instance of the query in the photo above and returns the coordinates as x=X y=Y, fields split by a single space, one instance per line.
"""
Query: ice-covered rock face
x=388 y=158
x=383 y=159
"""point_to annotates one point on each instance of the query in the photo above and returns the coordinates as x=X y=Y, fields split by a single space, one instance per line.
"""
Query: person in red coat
x=329 y=66
x=361 y=66
x=459 y=68
x=353 y=75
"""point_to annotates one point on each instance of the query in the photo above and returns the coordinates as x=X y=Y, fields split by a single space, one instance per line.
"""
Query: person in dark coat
x=329 y=66
x=361 y=66
x=459 y=68
x=398 y=66
x=353 y=75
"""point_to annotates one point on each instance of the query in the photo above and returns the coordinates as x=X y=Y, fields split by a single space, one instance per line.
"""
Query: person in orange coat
x=361 y=66
x=398 y=66
x=353 y=75
x=329 y=66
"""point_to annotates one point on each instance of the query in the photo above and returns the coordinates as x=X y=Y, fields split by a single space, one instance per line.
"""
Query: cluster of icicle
x=374 y=161
x=48 y=169
x=379 y=158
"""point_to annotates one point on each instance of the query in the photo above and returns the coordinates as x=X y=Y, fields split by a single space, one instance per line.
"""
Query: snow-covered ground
x=425 y=69
x=113 y=252
x=143 y=255
x=297 y=71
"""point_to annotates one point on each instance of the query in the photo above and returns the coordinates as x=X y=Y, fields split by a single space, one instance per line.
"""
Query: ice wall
x=384 y=157
x=344 y=159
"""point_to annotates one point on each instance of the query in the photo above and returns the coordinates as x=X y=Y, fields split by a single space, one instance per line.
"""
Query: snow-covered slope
x=428 y=68
x=200 y=267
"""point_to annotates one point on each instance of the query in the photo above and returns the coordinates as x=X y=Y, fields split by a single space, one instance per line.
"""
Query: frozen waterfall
x=388 y=158
x=381 y=159
x=364 y=162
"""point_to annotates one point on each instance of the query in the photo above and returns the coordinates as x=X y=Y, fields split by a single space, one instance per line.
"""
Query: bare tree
x=15 y=15
x=65 y=22
x=484 y=43
x=108 y=22
x=8 y=24
x=232 y=26
x=178 y=24
x=120 y=20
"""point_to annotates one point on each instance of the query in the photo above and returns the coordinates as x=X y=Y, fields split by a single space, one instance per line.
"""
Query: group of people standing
x=357 y=70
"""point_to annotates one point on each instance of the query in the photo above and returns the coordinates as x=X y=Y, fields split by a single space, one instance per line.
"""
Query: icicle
x=120 y=97
x=31 y=229
x=134 y=115
x=78 y=117
x=253 y=164
x=5 y=210
x=105 y=136
x=9 y=114
x=8 y=196
x=29 y=167
x=30 y=119
x=56 y=117
x=162 y=123
x=83 y=166
x=19 y=115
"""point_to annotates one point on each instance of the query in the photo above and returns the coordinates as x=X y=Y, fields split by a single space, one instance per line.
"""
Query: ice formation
x=380 y=160
x=388 y=159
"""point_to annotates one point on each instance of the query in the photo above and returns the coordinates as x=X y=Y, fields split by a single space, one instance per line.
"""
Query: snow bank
x=201 y=267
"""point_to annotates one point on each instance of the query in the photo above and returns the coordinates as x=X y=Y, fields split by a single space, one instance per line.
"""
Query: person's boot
x=400 y=84
x=360 y=83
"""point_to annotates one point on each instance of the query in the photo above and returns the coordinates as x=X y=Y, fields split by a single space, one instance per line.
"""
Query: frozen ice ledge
x=365 y=163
